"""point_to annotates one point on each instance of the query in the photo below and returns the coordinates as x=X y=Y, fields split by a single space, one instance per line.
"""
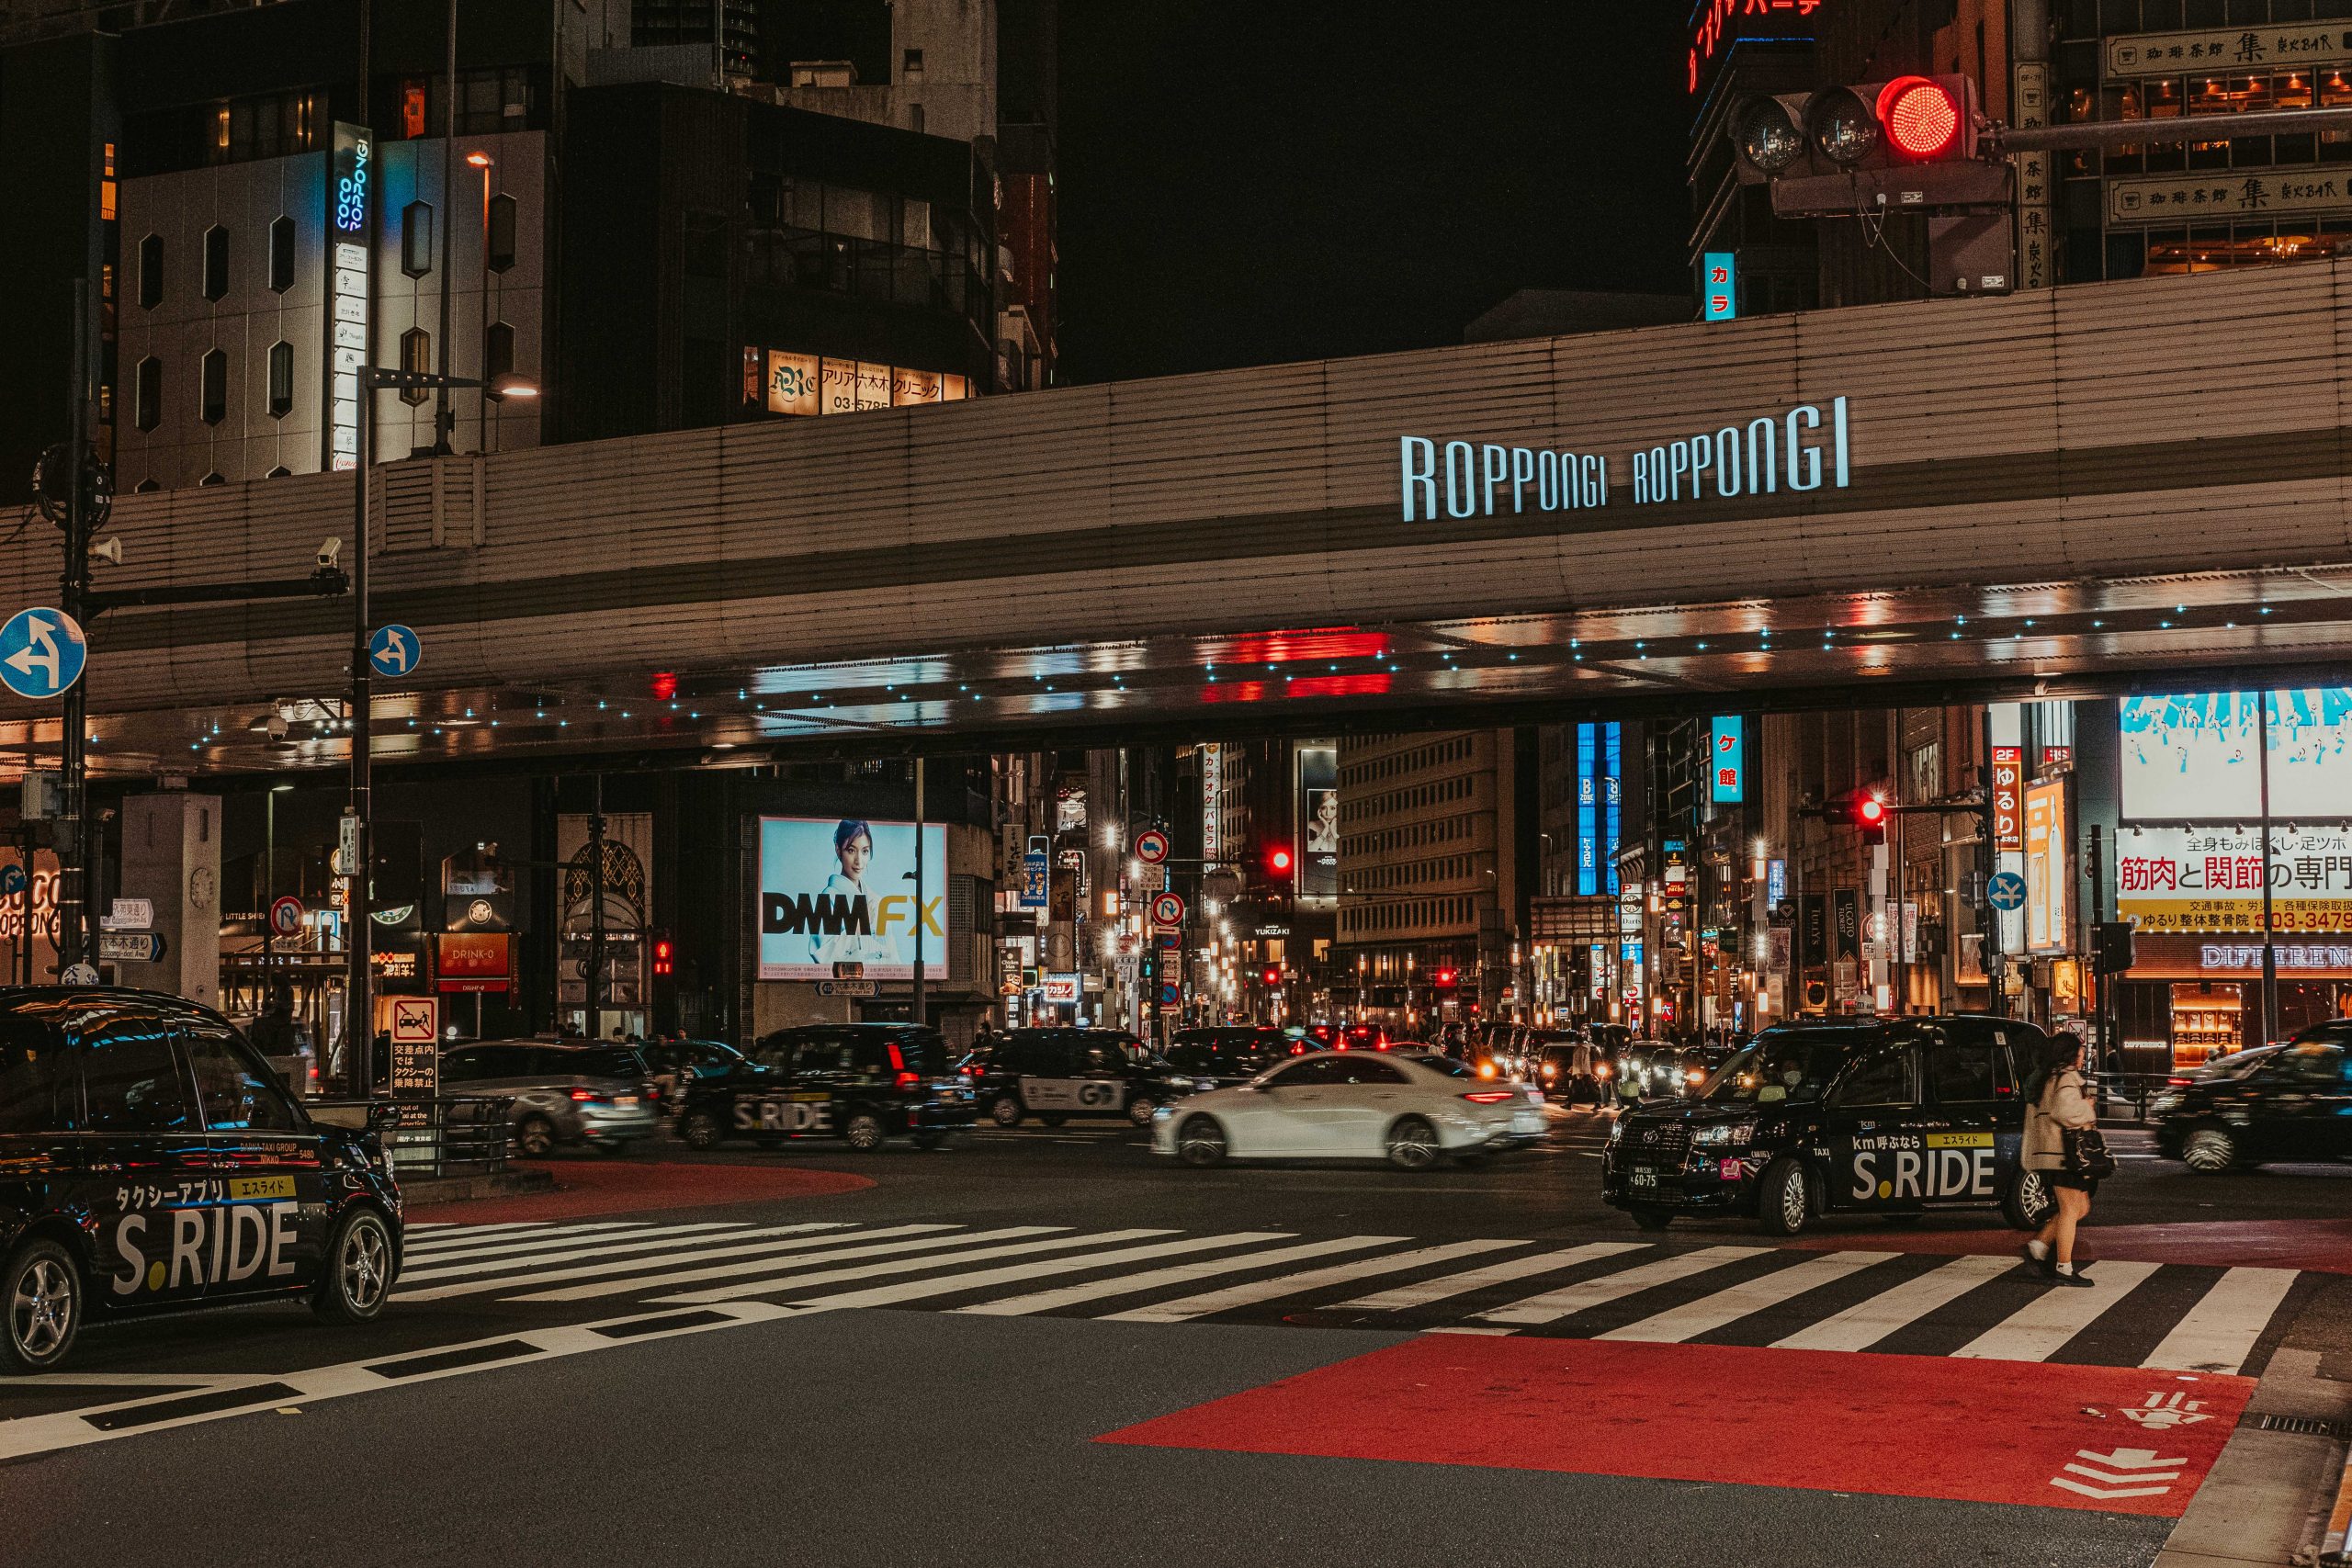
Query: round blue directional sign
x=2005 y=890
x=41 y=653
x=12 y=880
x=395 y=650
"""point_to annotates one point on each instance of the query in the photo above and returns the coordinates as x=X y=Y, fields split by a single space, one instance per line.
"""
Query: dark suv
x=1054 y=1073
x=2293 y=1103
x=150 y=1159
x=859 y=1082
x=1227 y=1054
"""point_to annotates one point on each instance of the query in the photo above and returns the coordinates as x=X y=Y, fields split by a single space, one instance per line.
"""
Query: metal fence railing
x=450 y=1136
x=2127 y=1091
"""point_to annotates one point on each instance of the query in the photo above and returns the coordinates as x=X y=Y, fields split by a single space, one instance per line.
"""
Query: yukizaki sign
x=1808 y=447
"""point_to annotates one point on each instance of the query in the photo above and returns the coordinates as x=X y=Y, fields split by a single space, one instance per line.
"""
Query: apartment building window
x=912 y=63
x=281 y=254
x=501 y=232
x=150 y=272
x=213 y=403
x=281 y=380
x=147 y=394
x=216 y=261
x=498 y=353
x=417 y=237
x=416 y=359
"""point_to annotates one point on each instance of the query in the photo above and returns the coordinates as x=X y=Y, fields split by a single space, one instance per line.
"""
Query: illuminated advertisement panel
x=350 y=223
x=2195 y=755
x=841 y=890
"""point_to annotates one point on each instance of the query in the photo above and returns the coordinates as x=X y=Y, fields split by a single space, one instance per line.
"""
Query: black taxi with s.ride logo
x=1852 y=1116
x=150 y=1159
x=860 y=1083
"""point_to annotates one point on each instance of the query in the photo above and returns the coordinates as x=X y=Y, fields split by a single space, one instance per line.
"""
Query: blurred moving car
x=1054 y=1073
x=568 y=1093
x=2287 y=1103
x=1567 y=1069
x=678 y=1065
x=1412 y=1111
x=862 y=1083
x=1227 y=1054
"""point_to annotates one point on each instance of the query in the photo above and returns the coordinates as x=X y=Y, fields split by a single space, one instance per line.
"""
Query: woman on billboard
x=853 y=849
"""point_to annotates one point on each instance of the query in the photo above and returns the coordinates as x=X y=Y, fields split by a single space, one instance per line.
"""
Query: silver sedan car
x=572 y=1093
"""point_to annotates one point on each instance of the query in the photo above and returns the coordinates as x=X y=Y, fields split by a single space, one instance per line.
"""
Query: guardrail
x=451 y=1136
x=2131 y=1090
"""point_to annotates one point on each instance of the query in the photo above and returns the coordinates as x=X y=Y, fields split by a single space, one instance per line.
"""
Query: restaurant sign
x=2227 y=193
x=2231 y=48
x=2210 y=879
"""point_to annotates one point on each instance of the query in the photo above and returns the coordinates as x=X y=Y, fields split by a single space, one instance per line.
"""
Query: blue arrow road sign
x=395 y=650
x=41 y=652
x=12 y=880
x=2006 y=891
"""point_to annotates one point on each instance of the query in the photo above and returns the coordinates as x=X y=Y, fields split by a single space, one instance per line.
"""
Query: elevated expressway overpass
x=2111 y=487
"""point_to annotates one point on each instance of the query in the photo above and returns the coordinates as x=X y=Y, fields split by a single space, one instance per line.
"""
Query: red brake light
x=1490 y=1095
x=907 y=1080
x=2179 y=1083
x=1921 y=117
x=585 y=1094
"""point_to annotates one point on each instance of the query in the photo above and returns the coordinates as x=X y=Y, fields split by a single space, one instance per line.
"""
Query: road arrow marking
x=2108 y=1492
x=2140 y=1467
x=2123 y=1480
x=2128 y=1459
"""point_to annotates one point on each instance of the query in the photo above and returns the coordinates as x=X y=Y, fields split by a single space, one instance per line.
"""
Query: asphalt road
x=1481 y=1365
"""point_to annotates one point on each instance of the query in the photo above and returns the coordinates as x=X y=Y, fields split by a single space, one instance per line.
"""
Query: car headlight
x=2165 y=1102
x=1162 y=1113
x=1616 y=1130
x=1183 y=1084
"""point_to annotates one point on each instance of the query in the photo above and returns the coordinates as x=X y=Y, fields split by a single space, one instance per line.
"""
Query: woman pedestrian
x=2060 y=1128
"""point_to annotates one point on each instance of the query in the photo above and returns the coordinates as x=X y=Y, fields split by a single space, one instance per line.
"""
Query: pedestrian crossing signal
x=664 y=957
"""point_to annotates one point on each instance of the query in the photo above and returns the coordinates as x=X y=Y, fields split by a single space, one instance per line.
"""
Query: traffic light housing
x=1907 y=144
x=665 y=957
x=1866 y=813
x=2115 y=947
x=1273 y=976
x=1279 y=860
x=1445 y=979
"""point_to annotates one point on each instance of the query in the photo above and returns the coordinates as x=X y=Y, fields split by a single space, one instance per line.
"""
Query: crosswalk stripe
x=734 y=1244
x=1176 y=1274
x=1255 y=1290
x=835 y=1250
x=955 y=1284
x=2220 y=1332
x=539 y=1239
x=1586 y=1294
x=799 y=1280
x=1424 y=1291
x=2038 y=1330
x=1710 y=1312
x=450 y=1230
x=1866 y=1323
x=564 y=1251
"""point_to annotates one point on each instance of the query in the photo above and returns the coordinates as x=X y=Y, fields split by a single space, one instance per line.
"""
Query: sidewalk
x=580 y=1188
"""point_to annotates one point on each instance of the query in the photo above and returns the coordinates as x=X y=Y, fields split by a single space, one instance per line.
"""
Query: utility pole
x=72 y=840
x=444 y=419
x=358 y=1038
x=917 y=1011
x=2269 y=926
x=597 y=990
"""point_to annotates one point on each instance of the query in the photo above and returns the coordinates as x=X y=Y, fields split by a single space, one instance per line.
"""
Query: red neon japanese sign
x=1715 y=22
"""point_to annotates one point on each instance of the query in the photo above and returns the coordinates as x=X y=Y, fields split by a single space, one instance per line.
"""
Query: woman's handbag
x=2087 y=1156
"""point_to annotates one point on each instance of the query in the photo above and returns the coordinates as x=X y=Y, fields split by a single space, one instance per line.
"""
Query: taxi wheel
x=1782 y=1201
x=864 y=1131
x=42 y=1297
x=1005 y=1110
x=2028 y=1201
x=1413 y=1143
x=358 y=1275
x=1199 y=1141
x=535 y=1139
x=2208 y=1150
x=1139 y=1109
x=700 y=1129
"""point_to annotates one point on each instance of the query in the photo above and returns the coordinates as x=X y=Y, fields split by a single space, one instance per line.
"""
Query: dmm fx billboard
x=1809 y=447
x=841 y=890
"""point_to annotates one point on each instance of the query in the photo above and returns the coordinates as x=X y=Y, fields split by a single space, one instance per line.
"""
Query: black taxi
x=150 y=1160
x=860 y=1083
x=1893 y=1117
x=1054 y=1073
x=2290 y=1103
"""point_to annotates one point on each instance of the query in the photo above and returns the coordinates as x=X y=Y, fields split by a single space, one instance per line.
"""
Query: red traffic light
x=1870 y=811
x=1922 y=118
x=1278 y=859
x=1274 y=976
x=664 y=957
x=1446 y=978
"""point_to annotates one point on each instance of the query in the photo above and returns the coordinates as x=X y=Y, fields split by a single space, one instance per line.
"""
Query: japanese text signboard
x=2210 y=879
x=2009 y=819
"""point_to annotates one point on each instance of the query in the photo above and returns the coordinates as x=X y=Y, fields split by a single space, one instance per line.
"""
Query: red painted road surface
x=1893 y=1426
x=630 y=1187
x=2321 y=1246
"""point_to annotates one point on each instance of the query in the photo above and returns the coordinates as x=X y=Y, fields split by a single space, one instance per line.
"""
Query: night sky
x=1250 y=181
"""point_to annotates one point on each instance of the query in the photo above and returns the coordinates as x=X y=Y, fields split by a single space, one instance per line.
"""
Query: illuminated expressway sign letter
x=1809 y=447
x=350 y=232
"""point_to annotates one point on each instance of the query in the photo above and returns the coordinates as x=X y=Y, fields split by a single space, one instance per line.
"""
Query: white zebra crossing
x=1973 y=1305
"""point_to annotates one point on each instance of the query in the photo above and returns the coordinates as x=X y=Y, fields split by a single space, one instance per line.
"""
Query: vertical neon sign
x=350 y=236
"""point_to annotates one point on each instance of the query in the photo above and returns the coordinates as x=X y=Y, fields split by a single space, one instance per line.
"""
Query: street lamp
x=357 y=1038
x=482 y=161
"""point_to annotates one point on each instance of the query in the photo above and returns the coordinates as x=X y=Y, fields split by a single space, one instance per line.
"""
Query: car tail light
x=1489 y=1096
x=908 y=1081
x=585 y=1094
x=2178 y=1083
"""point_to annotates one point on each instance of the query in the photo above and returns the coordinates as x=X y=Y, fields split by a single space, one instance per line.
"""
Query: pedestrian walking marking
x=1727 y=1307
x=774 y=1283
x=395 y=650
x=1427 y=1291
x=2143 y=1475
x=2040 y=1330
x=2159 y=1410
x=1256 y=1291
x=1586 y=1294
x=1866 y=1323
x=771 y=1260
x=1179 y=1274
x=893 y=1295
x=2220 y=1332
x=41 y=653
x=2006 y=891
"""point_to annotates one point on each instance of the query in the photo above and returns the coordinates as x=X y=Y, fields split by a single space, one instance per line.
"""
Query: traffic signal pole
x=73 y=827
x=2108 y=134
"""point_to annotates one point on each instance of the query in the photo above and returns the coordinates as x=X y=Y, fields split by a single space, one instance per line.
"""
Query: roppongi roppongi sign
x=1804 y=448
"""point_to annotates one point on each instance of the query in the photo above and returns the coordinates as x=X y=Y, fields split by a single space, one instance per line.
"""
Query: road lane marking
x=1448 y=1285
x=634 y=1241
x=801 y=1279
x=1177 y=1274
x=435 y=1257
x=955 y=1284
x=2220 y=1332
x=2040 y=1330
x=1710 y=1312
x=837 y=1250
x=1212 y=1302
x=1568 y=1300
x=738 y=1243
x=1863 y=1324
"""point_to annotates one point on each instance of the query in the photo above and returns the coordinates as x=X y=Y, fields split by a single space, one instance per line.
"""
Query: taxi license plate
x=623 y=1100
x=1642 y=1178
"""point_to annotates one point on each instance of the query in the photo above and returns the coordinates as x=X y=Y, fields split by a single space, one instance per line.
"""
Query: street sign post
x=12 y=880
x=130 y=947
x=395 y=650
x=41 y=653
x=285 y=916
x=848 y=987
x=1151 y=846
x=2006 y=891
x=1167 y=910
x=416 y=1042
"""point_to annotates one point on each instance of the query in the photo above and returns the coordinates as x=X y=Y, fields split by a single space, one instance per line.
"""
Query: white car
x=1408 y=1109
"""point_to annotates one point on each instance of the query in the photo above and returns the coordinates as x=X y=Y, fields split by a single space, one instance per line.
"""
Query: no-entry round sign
x=1151 y=846
x=286 y=916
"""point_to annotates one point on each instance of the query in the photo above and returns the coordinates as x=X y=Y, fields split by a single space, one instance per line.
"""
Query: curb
x=2333 y=1546
x=456 y=1188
